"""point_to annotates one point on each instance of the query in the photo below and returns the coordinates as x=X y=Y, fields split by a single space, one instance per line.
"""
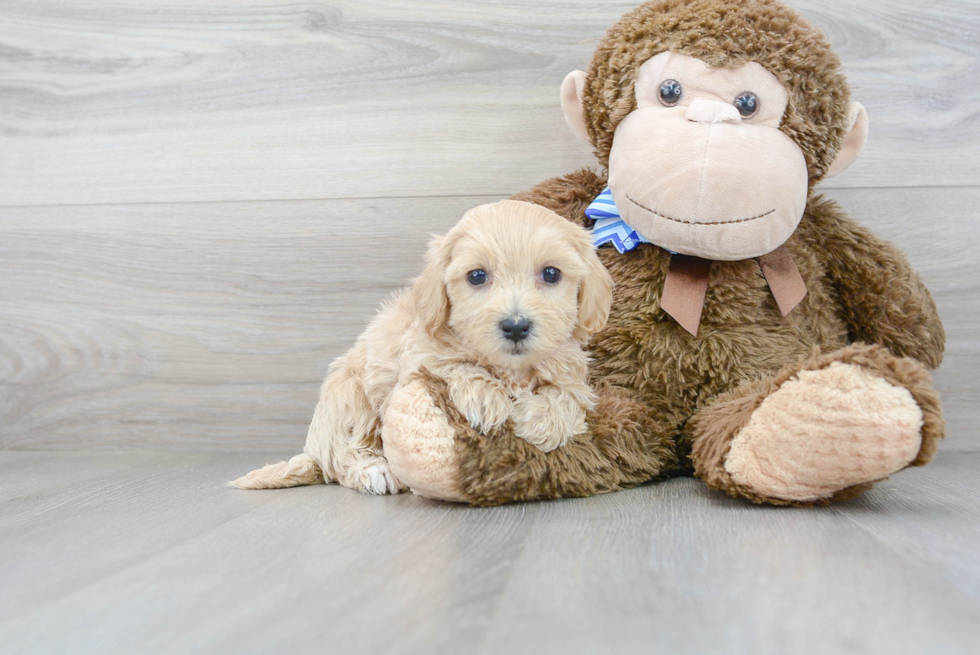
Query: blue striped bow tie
x=609 y=225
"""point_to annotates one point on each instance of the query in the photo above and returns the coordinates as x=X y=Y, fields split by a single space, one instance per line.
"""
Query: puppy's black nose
x=515 y=329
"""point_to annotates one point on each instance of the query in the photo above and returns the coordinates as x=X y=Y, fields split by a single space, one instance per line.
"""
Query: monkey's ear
x=857 y=134
x=571 y=103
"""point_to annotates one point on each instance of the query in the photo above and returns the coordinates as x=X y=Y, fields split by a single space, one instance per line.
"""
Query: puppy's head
x=513 y=281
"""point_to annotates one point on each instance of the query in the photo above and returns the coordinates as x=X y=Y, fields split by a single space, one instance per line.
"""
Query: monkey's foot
x=824 y=432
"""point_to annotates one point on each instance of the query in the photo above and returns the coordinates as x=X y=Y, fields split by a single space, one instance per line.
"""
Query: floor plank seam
x=480 y=195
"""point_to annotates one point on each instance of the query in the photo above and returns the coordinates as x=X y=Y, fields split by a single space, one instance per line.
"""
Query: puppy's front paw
x=484 y=402
x=548 y=419
x=372 y=476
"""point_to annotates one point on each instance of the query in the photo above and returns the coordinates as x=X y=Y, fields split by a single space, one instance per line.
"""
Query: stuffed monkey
x=759 y=338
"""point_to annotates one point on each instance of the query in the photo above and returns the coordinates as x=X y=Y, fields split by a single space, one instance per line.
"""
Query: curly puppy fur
x=451 y=327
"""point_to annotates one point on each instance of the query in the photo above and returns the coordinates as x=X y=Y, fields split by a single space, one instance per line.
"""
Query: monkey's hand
x=548 y=417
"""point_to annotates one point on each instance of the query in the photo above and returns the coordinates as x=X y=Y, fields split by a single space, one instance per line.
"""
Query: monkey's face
x=700 y=166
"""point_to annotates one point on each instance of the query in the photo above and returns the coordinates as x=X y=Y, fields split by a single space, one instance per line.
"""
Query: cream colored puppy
x=507 y=299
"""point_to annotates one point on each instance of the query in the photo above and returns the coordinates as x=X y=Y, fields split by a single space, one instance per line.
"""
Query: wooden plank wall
x=203 y=201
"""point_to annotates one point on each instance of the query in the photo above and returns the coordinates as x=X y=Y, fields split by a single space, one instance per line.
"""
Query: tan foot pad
x=824 y=431
x=419 y=444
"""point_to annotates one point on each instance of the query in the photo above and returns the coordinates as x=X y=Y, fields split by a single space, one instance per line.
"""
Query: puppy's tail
x=301 y=469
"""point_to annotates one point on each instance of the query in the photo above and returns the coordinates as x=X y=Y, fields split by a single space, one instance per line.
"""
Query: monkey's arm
x=882 y=297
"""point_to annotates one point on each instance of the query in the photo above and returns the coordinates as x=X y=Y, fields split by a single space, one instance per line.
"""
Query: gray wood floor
x=202 y=203
x=148 y=552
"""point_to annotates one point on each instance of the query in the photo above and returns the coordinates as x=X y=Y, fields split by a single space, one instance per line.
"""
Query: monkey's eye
x=476 y=277
x=551 y=275
x=670 y=93
x=747 y=104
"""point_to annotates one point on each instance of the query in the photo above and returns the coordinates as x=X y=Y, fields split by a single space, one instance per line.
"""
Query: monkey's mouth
x=679 y=220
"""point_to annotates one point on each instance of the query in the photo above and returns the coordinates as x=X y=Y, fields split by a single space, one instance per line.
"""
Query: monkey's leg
x=825 y=429
x=432 y=449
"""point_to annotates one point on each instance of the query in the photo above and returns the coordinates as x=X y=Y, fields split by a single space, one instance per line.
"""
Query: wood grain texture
x=132 y=554
x=227 y=100
x=211 y=325
x=207 y=324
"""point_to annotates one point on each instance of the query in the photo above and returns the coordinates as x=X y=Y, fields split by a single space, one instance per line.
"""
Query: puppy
x=506 y=301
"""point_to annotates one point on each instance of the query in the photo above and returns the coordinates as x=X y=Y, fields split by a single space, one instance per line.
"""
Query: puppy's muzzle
x=516 y=329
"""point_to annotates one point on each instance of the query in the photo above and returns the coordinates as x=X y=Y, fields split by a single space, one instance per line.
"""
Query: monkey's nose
x=515 y=329
x=712 y=111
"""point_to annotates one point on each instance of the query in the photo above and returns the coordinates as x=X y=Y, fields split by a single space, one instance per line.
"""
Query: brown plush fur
x=669 y=400
x=744 y=350
x=625 y=447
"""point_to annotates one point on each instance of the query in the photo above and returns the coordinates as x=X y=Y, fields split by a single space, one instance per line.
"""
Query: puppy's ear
x=595 y=294
x=429 y=289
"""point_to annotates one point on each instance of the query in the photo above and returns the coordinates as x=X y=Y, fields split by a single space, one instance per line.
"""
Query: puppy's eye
x=476 y=277
x=551 y=275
